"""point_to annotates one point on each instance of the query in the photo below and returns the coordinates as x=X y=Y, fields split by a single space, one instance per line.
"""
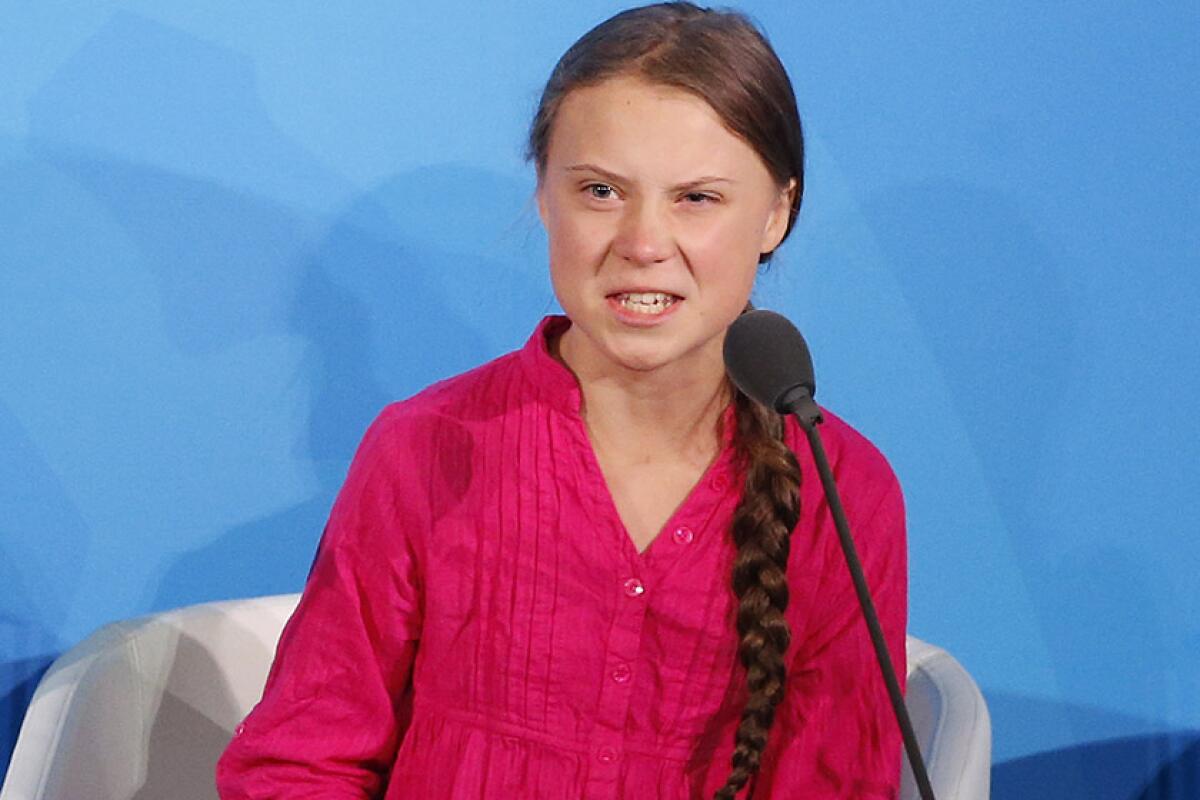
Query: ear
x=777 y=220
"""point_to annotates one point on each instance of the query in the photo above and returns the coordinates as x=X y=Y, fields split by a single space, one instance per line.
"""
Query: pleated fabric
x=478 y=624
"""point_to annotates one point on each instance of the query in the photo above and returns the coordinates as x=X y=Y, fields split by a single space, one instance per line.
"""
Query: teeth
x=646 y=302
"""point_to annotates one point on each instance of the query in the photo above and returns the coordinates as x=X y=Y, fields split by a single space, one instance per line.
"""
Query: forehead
x=635 y=127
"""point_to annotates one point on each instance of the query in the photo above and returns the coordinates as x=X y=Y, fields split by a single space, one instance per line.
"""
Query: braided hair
x=762 y=527
x=721 y=57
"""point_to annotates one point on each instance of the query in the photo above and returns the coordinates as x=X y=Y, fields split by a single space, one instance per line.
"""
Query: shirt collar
x=557 y=385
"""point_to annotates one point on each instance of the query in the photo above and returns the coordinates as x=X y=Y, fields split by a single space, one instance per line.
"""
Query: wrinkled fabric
x=478 y=624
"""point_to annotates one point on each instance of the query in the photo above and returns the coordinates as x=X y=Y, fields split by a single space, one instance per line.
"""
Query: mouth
x=646 y=303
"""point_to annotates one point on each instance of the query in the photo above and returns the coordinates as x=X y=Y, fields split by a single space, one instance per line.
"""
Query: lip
x=636 y=319
x=643 y=290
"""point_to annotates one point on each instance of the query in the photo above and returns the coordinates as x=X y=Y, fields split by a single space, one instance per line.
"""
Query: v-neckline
x=567 y=396
x=689 y=507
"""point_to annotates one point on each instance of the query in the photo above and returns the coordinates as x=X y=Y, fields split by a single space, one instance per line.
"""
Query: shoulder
x=489 y=394
x=468 y=395
x=864 y=476
x=444 y=414
x=871 y=496
x=423 y=448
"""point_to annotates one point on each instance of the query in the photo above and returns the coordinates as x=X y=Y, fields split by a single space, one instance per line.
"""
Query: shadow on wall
x=389 y=301
x=144 y=92
x=382 y=291
x=154 y=132
x=134 y=226
x=995 y=308
x=146 y=311
x=207 y=349
x=31 y=562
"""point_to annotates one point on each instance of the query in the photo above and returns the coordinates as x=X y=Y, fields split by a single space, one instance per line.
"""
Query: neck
x=646 y=416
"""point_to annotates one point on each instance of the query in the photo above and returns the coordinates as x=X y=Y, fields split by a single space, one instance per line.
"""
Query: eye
x=700 y=198
x=601 y=191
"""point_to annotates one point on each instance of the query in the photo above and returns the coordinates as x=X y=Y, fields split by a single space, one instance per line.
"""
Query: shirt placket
x=607 y=745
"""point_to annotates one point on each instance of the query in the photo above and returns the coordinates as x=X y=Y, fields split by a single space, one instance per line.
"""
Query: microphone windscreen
x=767 y=358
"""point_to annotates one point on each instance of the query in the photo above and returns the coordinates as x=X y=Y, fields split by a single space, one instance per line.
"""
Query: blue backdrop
x=230 y=233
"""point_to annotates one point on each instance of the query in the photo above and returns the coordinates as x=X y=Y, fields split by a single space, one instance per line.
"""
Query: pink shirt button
x=606 y=755
x=719 y=483
x=633 y=587
x=622 y=673
x=683 y=535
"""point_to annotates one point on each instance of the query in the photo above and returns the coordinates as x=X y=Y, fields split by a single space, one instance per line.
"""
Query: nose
x=644 y=235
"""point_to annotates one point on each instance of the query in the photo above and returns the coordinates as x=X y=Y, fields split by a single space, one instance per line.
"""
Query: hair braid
x=762 y=526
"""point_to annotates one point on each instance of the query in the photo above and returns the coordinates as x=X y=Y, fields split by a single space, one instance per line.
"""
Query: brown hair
x=721 y=57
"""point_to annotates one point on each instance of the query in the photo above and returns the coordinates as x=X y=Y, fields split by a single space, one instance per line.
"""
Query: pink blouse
x=478 y=623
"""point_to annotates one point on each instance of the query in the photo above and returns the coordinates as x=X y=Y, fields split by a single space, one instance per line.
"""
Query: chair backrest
x=952 y=725
x=143 y=708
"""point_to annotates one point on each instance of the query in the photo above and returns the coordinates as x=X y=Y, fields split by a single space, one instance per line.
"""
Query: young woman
x=591 y=568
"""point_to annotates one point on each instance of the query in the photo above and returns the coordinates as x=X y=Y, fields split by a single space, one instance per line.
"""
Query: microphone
x=768 y=360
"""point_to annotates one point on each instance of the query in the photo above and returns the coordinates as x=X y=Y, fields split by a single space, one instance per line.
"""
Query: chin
x=643 y=363
x=679 y=343
x=647 y=355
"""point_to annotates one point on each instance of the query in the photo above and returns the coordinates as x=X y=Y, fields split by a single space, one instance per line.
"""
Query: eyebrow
x=615 y=178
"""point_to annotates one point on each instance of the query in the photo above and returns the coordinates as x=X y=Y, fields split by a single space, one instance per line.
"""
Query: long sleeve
x=836 y=734
x=334 y=706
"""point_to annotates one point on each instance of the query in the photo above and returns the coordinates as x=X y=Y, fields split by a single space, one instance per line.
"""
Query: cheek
x=725 y=248
x=570 y=262
x=577 y=246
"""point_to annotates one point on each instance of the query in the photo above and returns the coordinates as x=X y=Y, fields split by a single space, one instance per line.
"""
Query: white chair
x=143 y=708
x=952 y=725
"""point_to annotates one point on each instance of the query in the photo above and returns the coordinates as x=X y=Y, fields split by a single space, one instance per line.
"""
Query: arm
x=836 y=735
x=330 y=719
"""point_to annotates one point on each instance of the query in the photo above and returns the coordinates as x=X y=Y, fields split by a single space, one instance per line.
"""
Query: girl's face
x=656 y=215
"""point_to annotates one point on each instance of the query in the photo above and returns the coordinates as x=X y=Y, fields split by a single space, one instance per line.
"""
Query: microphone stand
x=799 y=403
